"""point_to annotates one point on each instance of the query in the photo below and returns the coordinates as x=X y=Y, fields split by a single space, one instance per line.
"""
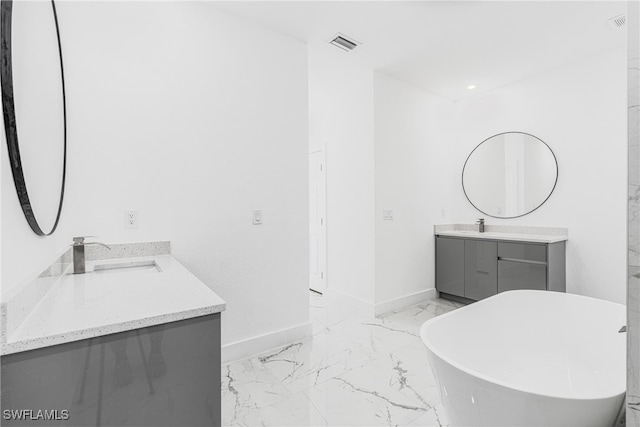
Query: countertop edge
x=514 y=238
x=71 y=336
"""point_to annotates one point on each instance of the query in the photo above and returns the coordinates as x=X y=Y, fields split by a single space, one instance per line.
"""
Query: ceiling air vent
x=344 y=42
x=617 y=22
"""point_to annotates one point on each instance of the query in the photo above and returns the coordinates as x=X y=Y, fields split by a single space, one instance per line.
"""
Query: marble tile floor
x=355 y=371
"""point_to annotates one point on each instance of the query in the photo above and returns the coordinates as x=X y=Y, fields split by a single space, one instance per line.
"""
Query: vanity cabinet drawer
x=521 y=275
x=522 y=252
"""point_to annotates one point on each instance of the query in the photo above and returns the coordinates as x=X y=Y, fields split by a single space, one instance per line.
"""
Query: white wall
x=194 y=118
x=341 y=122
x=409 y=123
x=578 y=110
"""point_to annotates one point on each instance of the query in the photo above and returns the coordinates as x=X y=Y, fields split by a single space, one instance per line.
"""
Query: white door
x=317 y=222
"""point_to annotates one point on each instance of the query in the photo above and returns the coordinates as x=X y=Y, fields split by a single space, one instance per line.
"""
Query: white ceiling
x=445 y=46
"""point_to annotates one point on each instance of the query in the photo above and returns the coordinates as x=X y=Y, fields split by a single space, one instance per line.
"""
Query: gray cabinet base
x=164 y=375
x=455 y=298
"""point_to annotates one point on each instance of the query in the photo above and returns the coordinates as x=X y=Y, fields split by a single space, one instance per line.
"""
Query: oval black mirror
x=34 y=109
x=509 y=175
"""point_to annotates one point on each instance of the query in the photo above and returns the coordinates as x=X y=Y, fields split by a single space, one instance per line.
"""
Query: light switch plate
x=257 y=217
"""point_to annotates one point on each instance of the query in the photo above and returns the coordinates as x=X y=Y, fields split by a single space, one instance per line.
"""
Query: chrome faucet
x=78 y=245
x=480 y=223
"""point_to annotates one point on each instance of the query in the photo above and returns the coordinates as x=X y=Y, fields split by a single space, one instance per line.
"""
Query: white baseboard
x=404 y=301
x=349 y=302
x=255 y=345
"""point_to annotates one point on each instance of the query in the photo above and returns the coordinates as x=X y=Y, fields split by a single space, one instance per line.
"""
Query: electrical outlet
x=387 y=214
x=130 y=219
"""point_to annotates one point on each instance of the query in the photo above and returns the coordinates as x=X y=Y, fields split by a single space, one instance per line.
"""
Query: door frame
x=322 y=251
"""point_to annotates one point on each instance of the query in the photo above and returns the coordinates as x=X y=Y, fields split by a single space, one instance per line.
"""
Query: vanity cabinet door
x=480 y=268
x=515 y=275
x=162 y=375
x=450 y=266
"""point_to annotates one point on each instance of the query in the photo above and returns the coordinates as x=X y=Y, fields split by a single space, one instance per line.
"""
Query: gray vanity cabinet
x=162 y=375
x=470 y=269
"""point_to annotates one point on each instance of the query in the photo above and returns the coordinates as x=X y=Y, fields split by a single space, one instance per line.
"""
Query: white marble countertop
x=518 y=237
x=109 y=301
x=516 y=233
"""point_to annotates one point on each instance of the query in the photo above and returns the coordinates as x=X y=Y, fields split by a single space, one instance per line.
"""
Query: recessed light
x=471 y=87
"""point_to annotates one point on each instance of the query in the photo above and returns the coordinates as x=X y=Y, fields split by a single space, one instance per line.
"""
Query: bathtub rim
x=473 y=373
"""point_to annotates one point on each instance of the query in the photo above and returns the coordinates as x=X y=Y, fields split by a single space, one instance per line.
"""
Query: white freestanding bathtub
x=530 y=358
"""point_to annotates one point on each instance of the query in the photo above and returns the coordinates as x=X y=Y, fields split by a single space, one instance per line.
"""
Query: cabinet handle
x=523 y=261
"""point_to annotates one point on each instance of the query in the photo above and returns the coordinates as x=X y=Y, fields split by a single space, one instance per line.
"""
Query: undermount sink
x=146 y=266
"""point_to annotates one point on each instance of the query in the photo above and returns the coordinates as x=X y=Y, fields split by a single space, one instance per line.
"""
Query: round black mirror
x=34 y=109
x=509 y=175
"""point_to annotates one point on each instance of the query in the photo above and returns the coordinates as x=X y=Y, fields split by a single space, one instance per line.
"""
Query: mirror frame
x=555 y=159
x=9 y=115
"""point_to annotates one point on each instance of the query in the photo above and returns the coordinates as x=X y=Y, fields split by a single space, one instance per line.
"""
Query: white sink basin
x=145 y=266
